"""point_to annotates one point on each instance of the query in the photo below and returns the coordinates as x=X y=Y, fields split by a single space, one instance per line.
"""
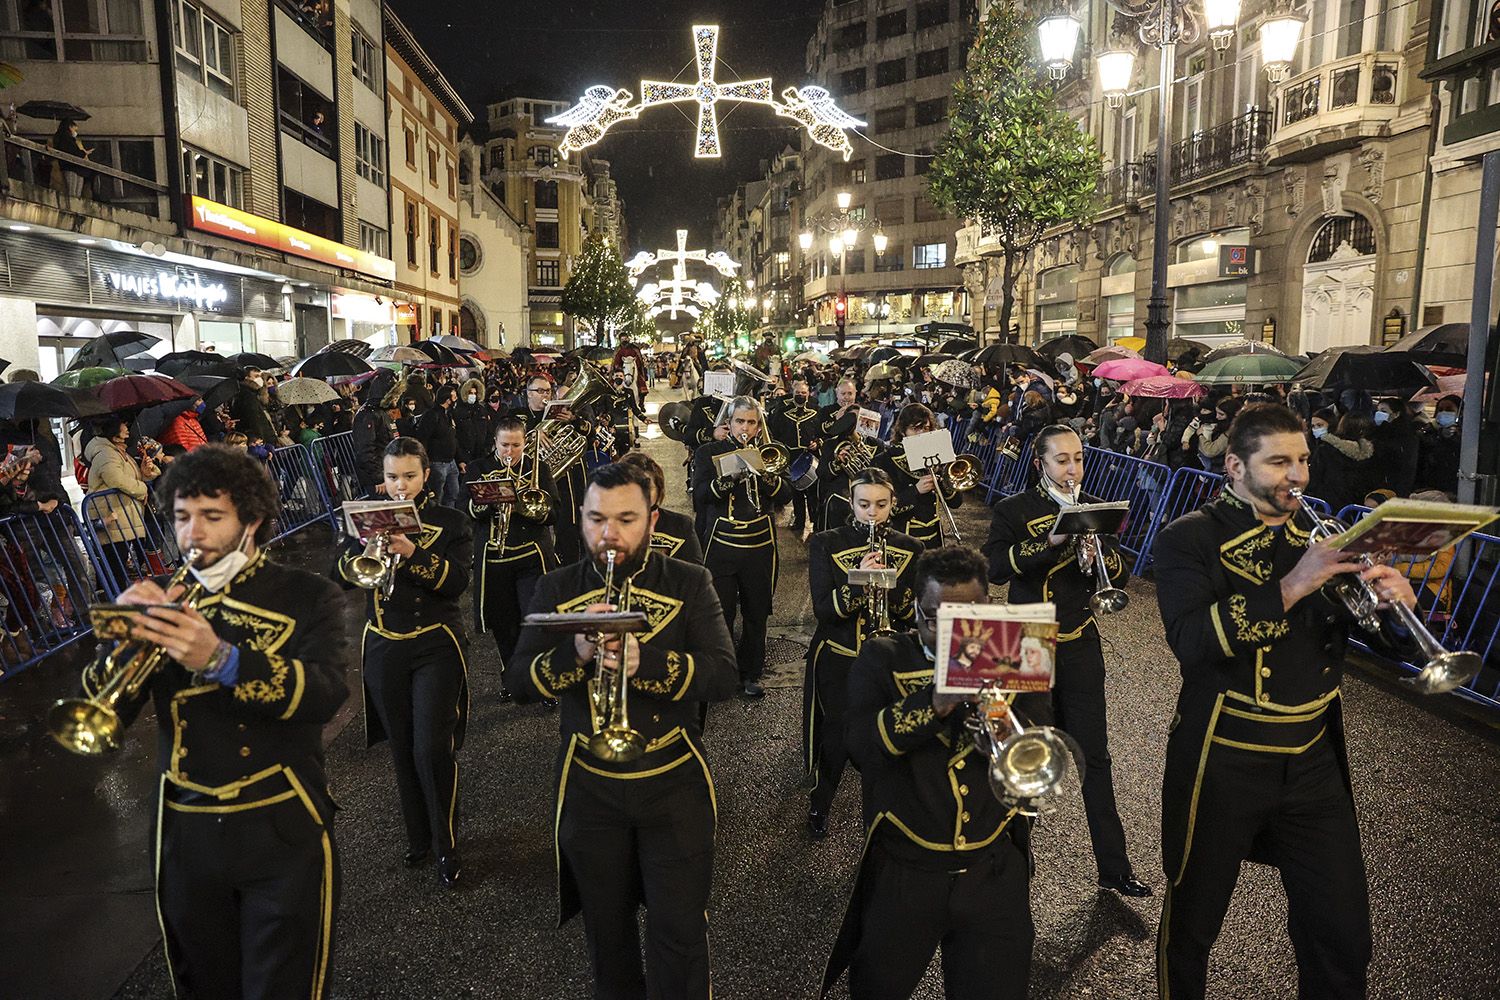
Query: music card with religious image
x=488 y=492
x=928 y=449
x=364 y=519
x=1414 y=528
x=1013 y=646
x=867 y=424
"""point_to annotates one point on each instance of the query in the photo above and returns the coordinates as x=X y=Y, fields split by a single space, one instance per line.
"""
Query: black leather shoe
x=416 y=857
x=1126 y=885
x=817 y=824
x=505 y=695
x=750 y=689
x=449 y=866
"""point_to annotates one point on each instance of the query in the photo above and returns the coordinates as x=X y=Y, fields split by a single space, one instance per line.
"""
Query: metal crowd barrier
x=333 y=456
x=1111 y=477
x=304 y=492
x=46 y=586
x=146 y=545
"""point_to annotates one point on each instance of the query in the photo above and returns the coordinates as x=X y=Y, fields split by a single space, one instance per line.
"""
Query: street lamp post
x=1163 y=24
x=843 y=229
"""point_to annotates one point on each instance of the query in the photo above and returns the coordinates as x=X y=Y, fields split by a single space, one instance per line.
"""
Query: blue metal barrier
x=128 y=539
x=46 y=585
x=1184 y=492
x=1112 y=477
x=333 y=456
x=303 y=492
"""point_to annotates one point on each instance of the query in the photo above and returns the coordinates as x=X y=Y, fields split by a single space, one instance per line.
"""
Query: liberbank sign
x=231 y=223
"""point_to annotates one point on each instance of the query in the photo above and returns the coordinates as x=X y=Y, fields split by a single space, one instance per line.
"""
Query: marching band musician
x=916 y=512
x=836 y=426
x=796 y=425
x=570 y=483
x=846 y=617
x=247 y=876
x=622 y=843
x=702 y=427
x=741 y=546
x=1256 y=764
x=673 y=535
x=511 y=552
x=1042 y=566
x=415 y=673
x=624 y=410
x=946 y=864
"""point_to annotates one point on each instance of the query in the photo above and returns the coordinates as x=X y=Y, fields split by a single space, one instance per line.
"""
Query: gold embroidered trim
x=1259 y=631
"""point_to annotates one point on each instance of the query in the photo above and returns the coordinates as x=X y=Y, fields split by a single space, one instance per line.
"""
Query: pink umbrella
x=1126 y=369
x=1163 y=387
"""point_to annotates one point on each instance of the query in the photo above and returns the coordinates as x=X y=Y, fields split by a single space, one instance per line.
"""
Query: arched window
x=1057 y=302
x=1117 y=288
x=1355 y=230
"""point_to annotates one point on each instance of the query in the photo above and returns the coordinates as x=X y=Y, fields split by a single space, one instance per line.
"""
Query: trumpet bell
x=963 y=473
x=85 y=727
x=534 y=504
x=1447 y=672
x=1032 y=763
x=1109 y=601
x=618 y=744
x=775 y=458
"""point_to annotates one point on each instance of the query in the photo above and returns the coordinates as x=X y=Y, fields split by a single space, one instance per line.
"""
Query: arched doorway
x=1338 y=285
x=470 y=323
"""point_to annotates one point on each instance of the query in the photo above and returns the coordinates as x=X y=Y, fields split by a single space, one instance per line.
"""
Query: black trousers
x=828 y=686
x=799 y=506
x=1078 y=709
x=415 y=685
x=247 y=901
x=506 y=592
x=1293 y=812
x=746 y=583
x=980 y=917
x=643 y=841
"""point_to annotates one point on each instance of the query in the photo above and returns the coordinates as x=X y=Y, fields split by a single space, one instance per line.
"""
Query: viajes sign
x=182 y=288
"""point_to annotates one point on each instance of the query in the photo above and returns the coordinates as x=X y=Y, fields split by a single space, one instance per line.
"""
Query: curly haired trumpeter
x=213 y=470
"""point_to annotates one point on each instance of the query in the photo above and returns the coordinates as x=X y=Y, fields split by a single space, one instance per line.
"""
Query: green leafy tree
x=599 y=293
x=1013 y=162
x=728 y=319
x=638 y=324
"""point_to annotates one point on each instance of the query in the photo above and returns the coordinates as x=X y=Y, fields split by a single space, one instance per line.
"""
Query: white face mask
x=472 y=399
x=1447 y=418
x=1381 y=416
x=1318 y=432
x=218 y=576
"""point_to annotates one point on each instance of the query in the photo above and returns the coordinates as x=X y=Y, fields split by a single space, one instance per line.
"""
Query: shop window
x=1212 y=295
x=890 y=166
x=212 y=178
x=204 y=48
x=369 y=155
x=929 y=255
x=890 y=72
x=1120 y=313
x=1207 y=247
x=932 y=62
x=548 y=273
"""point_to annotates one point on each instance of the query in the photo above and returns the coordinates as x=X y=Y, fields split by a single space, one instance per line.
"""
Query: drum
x=804 y=472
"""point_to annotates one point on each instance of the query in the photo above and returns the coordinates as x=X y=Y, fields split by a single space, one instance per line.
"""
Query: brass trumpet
x=614 y=739
x=878 y=598
x=1027 y=763
x=1444 y=669
x=1107 y=599
x=116 y=687
x=375 y=567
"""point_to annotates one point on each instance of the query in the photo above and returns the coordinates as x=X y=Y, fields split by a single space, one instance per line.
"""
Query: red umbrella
x=1163 y=387
x=132 y=392
x=1126 y=369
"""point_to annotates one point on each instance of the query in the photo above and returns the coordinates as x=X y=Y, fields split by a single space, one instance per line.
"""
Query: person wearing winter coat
x=122 y=514
x=1397 y=449
x=1344 y=463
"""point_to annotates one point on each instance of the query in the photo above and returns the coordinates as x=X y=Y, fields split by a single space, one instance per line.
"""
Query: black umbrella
x=31 y=400
x=330 y=364
x=154 y=419
x=196 y=363
x=57 y=110
x=999 y=355
x=441 y=355
x=358 y=348
x=956 y=345
x=215 y=390
x=1075 y=344
x=1378 y=372
x=882 y=354
x=111 y=349
x=4 y=364
x=928 y=360
x=1445 y=344
x=253 y=359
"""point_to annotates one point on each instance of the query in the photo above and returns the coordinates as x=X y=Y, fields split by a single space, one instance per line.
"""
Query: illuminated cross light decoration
x=718 y=260
x=603 y=107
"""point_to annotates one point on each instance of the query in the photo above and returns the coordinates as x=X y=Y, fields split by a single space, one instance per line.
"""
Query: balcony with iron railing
x=1237 y=142
x=1335 y=105
x=1122 y=185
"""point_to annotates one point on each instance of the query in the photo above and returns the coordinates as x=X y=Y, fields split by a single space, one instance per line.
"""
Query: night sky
x=536 y=48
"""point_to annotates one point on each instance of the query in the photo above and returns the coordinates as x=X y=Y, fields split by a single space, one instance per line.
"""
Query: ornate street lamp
x=1279 y=34
x=1116 y=66
x=843 y=228
x=1058 y=33
x=1222 y=17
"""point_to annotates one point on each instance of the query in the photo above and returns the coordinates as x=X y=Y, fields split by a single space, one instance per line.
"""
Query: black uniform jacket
x=842 y=610
x=916 y=513
x=927 y=798
x=738 y=520
x=674 y=536
x=1254 y=676
x=700 y=425
x=796 y=426
x=524 y=539
x=686 y=657
x=262 y=739
x=425 y=597
x=1038 y=571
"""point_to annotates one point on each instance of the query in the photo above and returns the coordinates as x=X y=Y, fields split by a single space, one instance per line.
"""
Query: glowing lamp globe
x=1222 y=17
x=1058 y=34
x=804 y=240
x=1278 y=43
x=880 y=244
x=1115 y=69
x=844 y=198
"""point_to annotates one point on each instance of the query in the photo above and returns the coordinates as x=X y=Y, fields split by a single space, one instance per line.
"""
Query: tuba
x=116 y=686
x=613 y=738
x=567 y=444
x=1444 y=669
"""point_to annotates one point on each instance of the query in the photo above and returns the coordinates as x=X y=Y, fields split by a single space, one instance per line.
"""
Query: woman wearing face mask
x=1343 y=463
x=473 y=424
x=1439 y=446
x=123 y=512
x=1396 y=446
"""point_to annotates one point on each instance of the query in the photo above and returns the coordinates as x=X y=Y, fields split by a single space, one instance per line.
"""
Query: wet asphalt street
x=75 y=881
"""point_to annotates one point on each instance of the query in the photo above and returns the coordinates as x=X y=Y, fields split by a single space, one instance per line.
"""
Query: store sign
x=184 y=289
x=222 y=220
x=1235 y=261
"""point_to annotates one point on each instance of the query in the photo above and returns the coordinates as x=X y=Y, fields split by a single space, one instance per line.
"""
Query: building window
x=894 y=259
x=890 y=119
x=850 y=36
x=452 y=175
x=374 y=239
x=890 y=72
x=926 y=255
x=212 y=178
x=468 y=255
x=854 y=260
x=365 y=56
x=303 y=212
x=452 y=253
x=889 y=167
x=547 y=235
x=892 y=25
x=543 y=156
x=922 y=162
x=932 y=62
x=856 y=172
x=546 y=194
x=305 y=113
x=411 y=233
x=891 y=211
x=1057 y=302
x=852 y=81
x=369 y=155
x=923 y=210
x=133 y=156
x=205 y=48
x=409 y=134
x=434 y=238
x=549 y=273
x=933 y=112
x=932 y=14
x=432 y=160
x=89 y=30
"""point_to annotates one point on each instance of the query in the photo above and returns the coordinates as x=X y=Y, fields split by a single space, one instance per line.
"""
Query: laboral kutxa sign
x=222 y=220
